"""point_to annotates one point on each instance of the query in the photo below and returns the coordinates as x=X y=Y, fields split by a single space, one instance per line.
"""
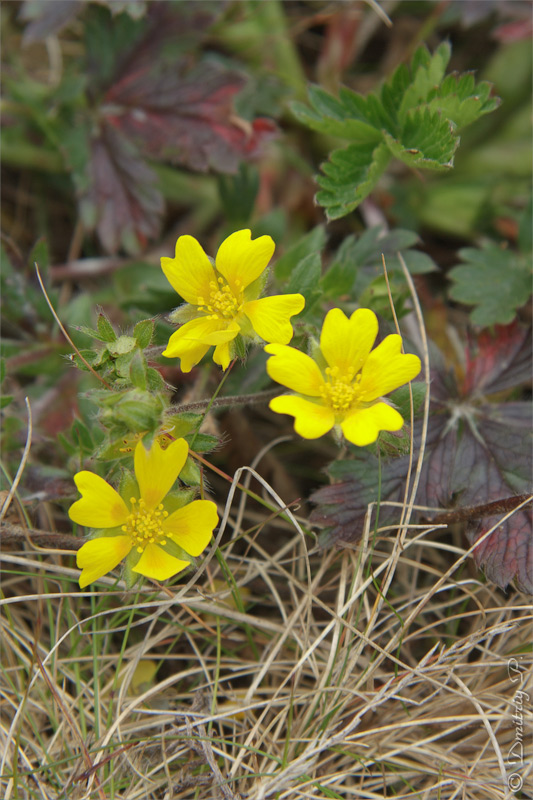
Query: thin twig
x=64 y=331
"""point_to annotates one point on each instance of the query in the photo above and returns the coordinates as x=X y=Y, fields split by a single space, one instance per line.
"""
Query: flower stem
x=225 y=402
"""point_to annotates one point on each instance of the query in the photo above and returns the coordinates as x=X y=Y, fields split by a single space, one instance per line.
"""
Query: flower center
x=222 y=303
x=144 y=525
x=340 y=391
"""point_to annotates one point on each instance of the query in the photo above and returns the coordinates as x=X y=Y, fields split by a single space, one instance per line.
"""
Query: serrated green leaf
x=426 y=140
x=105 y=329
x=344 y=117
x=312 y=242
x=350 y=175
x=416 y=112
x=5 y=400
x=461 y=101
x=428 y=72
x=137 y=370
x=496 y=281
x=143 y=332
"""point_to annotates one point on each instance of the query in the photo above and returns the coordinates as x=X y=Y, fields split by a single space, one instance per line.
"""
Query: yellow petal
x=345 y=343
x=222 y=355
x=311 y=419
x=156 y=469
x=241 y=259
x=191 y=527
x=363 y=426
x=100 y=505
x=190 y=271
x=293 y=369
x=270 y=316
x=157 y=564
x=226 y=333
x=189 y=342
x=387 y=368
x=98 y=556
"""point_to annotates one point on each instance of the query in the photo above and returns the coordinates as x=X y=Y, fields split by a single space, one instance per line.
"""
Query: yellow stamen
x=340 y=391
x=222 y=303
x=144 y=525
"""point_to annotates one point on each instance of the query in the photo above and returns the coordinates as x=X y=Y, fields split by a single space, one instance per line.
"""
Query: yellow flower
x=155 y=542
x=222 y=300
x=344 y=384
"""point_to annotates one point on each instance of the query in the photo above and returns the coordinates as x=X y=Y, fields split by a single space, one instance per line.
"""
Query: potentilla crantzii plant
x=157 y=530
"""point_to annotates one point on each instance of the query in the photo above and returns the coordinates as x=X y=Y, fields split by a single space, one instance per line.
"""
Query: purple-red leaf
x=507 y=553
x=123 y=196
x=476 y=452
x=186 y=118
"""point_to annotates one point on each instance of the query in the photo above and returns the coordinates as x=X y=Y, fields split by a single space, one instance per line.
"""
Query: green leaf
x=304 y=279
x=415 y=114
x=428 y=72
x=312 y=242
x=154 y=381
x=359 y=258
x=138 y=370
x=82 y=436
x=346 y=117
x=90 y=332
x=461 y=101
x=105 y=329
x=143 y=332
x=350 y=175
x=496 y=281
x=426 y=140
x=203 y=442
x=402 y=399
x=122 y=345
x=190 y=474
x=180 y=424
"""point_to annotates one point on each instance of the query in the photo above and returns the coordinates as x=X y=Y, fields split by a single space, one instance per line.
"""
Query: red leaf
x=122 y=194
x=499 y=360
x=507 y=553
x=187 y=119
